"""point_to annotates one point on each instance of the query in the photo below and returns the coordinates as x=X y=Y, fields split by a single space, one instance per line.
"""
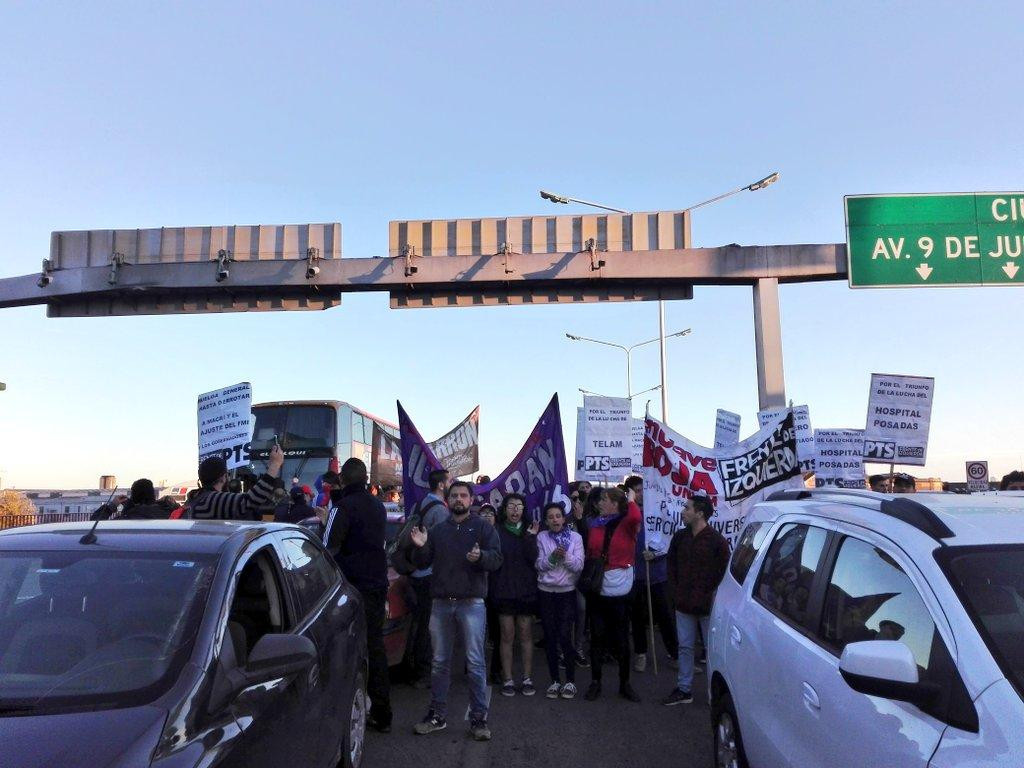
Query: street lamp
x=554 y=197
x=629 y=352
x=635 y=394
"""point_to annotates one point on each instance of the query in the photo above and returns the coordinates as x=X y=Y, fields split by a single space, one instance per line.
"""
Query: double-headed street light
x=554 y=197
x=629 y=352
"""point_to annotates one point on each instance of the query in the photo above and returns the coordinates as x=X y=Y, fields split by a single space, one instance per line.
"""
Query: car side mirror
x=278 y=655
x=273 y=656
x=884 y=668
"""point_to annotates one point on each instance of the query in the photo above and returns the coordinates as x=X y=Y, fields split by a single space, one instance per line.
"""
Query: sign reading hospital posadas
x=921 y=240
x=899 y=415
x=225 y=424
x=839 y=460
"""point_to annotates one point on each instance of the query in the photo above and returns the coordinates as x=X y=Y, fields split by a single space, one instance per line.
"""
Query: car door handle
x=735 y=636
x=811 y=697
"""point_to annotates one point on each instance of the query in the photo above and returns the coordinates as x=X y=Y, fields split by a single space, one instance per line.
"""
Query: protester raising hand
x=419 y=535
x=534 y=528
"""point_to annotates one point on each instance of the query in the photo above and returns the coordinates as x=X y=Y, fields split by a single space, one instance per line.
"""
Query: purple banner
x=538 y=471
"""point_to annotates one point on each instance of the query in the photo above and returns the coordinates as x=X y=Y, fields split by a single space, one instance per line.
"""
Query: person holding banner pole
x=614 y=524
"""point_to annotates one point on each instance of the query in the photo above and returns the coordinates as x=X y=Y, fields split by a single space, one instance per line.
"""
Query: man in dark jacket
x=697 y=558
x=462 y=550
x=212 y=502
x=355 y=537
x=142 y=503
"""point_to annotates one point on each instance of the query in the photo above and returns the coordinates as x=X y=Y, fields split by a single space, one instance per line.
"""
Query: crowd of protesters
x=482 y=576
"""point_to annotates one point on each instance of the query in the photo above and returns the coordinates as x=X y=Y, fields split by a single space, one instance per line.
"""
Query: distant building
x=54 y=505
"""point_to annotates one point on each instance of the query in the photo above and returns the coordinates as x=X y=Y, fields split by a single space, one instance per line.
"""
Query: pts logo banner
x=879 y=450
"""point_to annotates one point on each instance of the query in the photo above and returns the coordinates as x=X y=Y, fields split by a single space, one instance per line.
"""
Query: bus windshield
x=297 y=427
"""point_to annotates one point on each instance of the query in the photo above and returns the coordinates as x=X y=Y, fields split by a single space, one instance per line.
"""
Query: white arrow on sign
x=924 y=271
x=1011 y=269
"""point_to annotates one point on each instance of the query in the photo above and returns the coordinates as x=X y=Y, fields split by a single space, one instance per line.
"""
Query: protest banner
x=607 y=439
x=637 y=433
x=225 y=424
x=899 y=416
x=385 y=458
x=459 y=450
x=538 y=471
x=804 y=434
x=727 y=428
x=839 y=462
x=977 y=476
x=733 y=478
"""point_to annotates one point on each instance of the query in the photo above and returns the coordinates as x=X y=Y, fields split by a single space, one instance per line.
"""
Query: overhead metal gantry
x=462 y=263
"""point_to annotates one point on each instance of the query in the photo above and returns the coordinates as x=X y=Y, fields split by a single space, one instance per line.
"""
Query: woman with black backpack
x=613 y=522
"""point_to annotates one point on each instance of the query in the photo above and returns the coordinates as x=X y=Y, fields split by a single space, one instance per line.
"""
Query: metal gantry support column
x=771 y=381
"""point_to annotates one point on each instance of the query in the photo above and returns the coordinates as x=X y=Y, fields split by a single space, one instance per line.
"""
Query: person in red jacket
x=615 y=514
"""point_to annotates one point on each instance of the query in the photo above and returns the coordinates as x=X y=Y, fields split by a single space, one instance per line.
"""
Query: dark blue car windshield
x=96 y=629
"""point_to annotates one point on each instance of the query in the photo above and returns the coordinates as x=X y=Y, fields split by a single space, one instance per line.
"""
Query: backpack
x=399 y=553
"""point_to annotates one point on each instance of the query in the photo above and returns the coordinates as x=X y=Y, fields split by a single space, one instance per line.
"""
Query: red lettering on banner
x=681 y=475
x=660 y=461
x=702 y=482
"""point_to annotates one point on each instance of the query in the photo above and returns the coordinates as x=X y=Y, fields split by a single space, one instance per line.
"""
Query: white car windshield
x=96 y=630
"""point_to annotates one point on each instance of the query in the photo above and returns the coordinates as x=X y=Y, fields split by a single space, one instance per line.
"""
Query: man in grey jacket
x=462 y=550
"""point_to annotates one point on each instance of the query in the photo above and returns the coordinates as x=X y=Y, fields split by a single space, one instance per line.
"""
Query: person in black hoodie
x=141 y=505
x=462 y=550
x=354 y=535
x=513 y=590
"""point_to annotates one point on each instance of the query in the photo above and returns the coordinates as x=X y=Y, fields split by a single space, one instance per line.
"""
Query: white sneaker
x=553 y=690
x=568 y=691
x=640 y=662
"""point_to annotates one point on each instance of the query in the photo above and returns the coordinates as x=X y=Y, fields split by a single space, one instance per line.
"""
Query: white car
x=861 y=629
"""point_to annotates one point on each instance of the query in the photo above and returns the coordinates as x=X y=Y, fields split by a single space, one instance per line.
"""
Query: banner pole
x=892 y=477
x=650 y=614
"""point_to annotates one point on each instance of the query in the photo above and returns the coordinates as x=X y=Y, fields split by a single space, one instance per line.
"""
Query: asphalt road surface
x=540 y=732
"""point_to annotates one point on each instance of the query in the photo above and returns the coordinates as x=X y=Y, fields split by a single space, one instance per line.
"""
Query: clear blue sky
x=143 y=114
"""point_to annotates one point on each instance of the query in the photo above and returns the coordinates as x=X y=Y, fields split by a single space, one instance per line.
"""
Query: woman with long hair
x=614 y=516
x=513 y=590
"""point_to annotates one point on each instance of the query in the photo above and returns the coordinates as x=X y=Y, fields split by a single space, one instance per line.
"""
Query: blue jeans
x=470 y=616
x=686 y=629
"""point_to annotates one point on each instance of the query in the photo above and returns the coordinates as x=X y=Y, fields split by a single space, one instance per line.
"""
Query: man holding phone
x=214 y=503
x=462 y=550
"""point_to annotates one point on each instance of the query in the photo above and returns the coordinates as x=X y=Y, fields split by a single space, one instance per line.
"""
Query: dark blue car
x=178 y=644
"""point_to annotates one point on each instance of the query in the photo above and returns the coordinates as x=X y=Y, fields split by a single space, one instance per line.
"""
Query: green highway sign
x=899 y=241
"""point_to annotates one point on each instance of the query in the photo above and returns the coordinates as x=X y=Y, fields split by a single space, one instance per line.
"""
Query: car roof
x=197 y=536
x=949 y=518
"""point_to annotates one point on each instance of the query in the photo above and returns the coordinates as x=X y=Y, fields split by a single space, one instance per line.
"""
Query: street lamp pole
x=565 y=200
x=629 y=354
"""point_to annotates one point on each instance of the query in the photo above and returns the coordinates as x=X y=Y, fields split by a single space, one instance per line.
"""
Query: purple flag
x=538 y=471
x=417 y=462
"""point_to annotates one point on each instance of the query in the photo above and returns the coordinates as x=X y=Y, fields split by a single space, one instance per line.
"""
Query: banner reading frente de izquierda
x=733 y=478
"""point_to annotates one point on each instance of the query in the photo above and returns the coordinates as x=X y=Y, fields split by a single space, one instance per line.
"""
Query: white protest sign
x=225 y=424
x=727 y=428
x=804 y=433
x=899 y=415
x=607 y=439
x=977 y=476
x=638 y=446
x=734 y=478
x=839 y=460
